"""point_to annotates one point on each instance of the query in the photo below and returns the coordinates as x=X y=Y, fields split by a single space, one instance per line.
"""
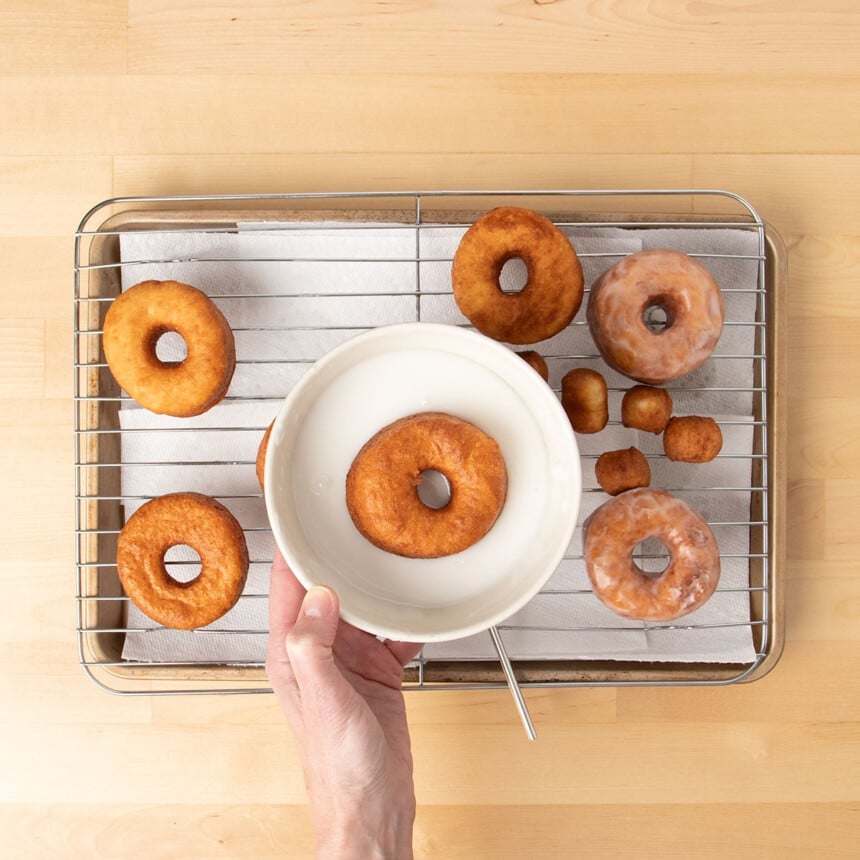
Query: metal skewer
x=513 y=686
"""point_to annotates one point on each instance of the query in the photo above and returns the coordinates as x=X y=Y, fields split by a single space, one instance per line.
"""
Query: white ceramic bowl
x=369 y=382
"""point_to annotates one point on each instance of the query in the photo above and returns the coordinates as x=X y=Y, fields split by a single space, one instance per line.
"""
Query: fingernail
x=318 y=602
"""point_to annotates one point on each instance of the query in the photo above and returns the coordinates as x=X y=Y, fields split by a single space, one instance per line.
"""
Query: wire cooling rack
x=291 y=252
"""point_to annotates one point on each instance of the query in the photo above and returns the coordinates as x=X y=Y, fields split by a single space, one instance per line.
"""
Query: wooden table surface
x=110 y=97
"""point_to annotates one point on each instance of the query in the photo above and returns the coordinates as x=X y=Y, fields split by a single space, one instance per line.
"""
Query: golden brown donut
x=622 y=298
x=382 y=486
x=536 y=361
x=646 y=408
x=261 y=455
x=585 y=400
x=613 y=531
x=617 y=471
x=136 y=320
x=552 y=294
x=201 y=523
x=692 y=439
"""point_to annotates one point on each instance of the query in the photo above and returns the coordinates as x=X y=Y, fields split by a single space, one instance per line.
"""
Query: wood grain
x=104 y=97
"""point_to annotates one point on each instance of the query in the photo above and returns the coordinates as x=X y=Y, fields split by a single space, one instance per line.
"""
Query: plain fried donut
x=382 y=486
x=552 y=294
x=611 y=534
x=648 y=283
x=260 y=463
x=136 y=320
x=206 y=526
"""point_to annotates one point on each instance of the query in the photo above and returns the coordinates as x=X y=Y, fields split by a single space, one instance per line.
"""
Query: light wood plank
x=22 y=358
x=55 y=37
x=317 y=171
x=470 y=38
x=39 y=273
x=823 y=271
x=506 y=113
x=48 y=196
x=828 y=696
x=271 y=832
x=823 y=442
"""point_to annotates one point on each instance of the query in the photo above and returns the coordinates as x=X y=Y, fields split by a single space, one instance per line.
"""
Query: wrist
x=365 y=833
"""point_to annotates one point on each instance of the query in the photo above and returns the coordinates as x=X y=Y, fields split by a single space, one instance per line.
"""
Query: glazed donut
x=552 y=295
x=585 y=400
x=617 y=471
x=260 y=464
x=611 y=534
x=535 y=361
x=646 y=408
x=201 y=523
x=136 y=320
x=655 y=281
x=692 y=439
x=382 y=486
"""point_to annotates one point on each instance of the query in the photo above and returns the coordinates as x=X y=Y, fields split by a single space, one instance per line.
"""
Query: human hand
x=339 y=688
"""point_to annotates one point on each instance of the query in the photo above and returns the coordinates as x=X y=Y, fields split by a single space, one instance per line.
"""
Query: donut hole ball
x=644 y=407
x=434 y=489
x=182 y=563
x=535 y=361
x=626 y=469
x=585 y=399
x=692 y=439
x=260 y=464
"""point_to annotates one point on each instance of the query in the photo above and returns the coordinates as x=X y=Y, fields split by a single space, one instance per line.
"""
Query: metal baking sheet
x=103 y=610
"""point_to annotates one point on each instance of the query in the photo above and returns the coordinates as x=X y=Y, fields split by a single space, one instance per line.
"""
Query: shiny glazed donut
x=382 y=486
x=552 y=294
x=644 y=285
x=196 y=521
x=612 y=532
x=136 y=320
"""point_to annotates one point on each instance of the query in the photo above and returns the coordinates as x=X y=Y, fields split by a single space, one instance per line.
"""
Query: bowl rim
x=425 y=329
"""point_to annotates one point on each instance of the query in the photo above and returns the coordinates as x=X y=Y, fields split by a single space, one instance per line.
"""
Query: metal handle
x=513 y=686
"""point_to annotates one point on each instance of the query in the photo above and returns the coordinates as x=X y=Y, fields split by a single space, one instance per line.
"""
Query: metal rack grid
x=100 y=499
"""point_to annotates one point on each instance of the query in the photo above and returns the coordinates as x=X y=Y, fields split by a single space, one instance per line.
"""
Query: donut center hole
x=434 y=489
x=651 y=557
x=182 y=563
x=657 y=316
x=514 y=275
x=170 y=347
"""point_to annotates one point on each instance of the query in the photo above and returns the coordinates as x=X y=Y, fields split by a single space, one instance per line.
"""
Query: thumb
x=309 y=647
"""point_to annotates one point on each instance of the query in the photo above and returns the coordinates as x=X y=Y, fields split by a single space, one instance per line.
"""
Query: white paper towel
x=326 y=282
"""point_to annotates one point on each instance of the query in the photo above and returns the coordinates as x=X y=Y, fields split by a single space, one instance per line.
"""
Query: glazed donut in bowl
x=613 y=531
x=382 y=486
x=374 y=381
x=206 y=526
x=656 y=315
x=552 y=294
x=135 y=321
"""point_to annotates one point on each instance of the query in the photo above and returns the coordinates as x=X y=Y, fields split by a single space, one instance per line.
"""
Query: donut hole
x=182 y=563
x=658 y=315
x=651 y=557
x=434 y=489
x=514 y=275
x=170 y=347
